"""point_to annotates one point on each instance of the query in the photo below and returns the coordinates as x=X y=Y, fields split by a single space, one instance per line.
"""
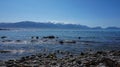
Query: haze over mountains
x=31 y=24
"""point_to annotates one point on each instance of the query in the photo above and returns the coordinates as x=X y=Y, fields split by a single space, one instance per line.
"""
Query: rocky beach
x=59 y=58
x=59 y=51
x=84 y=59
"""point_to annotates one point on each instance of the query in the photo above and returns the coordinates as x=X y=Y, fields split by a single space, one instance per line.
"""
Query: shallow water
x=101 y=40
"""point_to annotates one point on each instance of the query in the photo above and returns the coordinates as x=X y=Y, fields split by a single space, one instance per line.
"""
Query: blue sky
x=85 y=12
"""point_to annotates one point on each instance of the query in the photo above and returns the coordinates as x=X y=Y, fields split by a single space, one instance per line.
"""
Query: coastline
x=84 y=59
x=60 y=58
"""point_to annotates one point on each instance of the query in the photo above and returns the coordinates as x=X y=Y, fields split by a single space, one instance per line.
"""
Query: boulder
x=67 y=41
x=50 y=37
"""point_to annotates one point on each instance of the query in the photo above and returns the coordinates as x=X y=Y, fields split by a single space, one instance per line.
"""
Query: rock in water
x=3 y=37
x=4 y=51
x=50 y=37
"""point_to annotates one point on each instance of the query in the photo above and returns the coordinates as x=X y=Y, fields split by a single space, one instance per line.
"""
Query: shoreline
x=84 y=59
x=59 y=58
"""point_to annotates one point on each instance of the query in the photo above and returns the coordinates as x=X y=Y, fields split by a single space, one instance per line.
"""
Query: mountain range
x=31 y=24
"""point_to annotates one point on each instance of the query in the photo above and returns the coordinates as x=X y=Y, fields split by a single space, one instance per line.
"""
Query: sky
x=92 y=13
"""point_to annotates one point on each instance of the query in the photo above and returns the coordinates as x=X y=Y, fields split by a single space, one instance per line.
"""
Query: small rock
x=50 y=37
x=3 y=37
x=4 y=51
x=67 y=41
x=79 y=37
x=82 y=53
x=18 y=41
x=51 y=56
x=78 y=61
x=108 y=62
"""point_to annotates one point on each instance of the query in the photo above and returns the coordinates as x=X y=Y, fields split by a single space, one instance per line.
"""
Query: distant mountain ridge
x=31 y=24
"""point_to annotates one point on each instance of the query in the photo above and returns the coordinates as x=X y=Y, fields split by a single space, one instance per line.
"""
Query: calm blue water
x=100 y=40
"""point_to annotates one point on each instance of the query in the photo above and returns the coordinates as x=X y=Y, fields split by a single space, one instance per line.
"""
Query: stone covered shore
x=62 y=58
x=84 y=59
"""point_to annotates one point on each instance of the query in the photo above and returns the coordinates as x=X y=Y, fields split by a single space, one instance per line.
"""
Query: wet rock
x=89 y=42
x=100 y=52
x=82 y=53
x=27 y=57
x=58 y=51
x=67 y=41
x=108 y=62
x=50 y=37
x=18 y=41
x=22 y=59
x=10 y=63
x=32 y=56
x=79 y=37
x=7 y=41
x=62 y=52
x=78 y=62
x=4 y=51
x=61 y=42
x=71 y=55
x=4 y=29
x=35 y=37
x=32 y=37
x=3 y=37
x=117 y=53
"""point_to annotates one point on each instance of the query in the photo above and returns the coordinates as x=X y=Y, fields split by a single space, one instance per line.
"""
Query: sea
x=100 y=39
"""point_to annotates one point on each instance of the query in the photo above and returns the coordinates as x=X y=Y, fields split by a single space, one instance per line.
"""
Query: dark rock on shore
x=52 y=56
x=85 y=59
x=108 y=62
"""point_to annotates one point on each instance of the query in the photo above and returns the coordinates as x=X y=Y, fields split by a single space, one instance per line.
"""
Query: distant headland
x=49 y=25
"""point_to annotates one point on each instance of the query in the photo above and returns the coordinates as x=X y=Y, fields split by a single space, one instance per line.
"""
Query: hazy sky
x=85 y=12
